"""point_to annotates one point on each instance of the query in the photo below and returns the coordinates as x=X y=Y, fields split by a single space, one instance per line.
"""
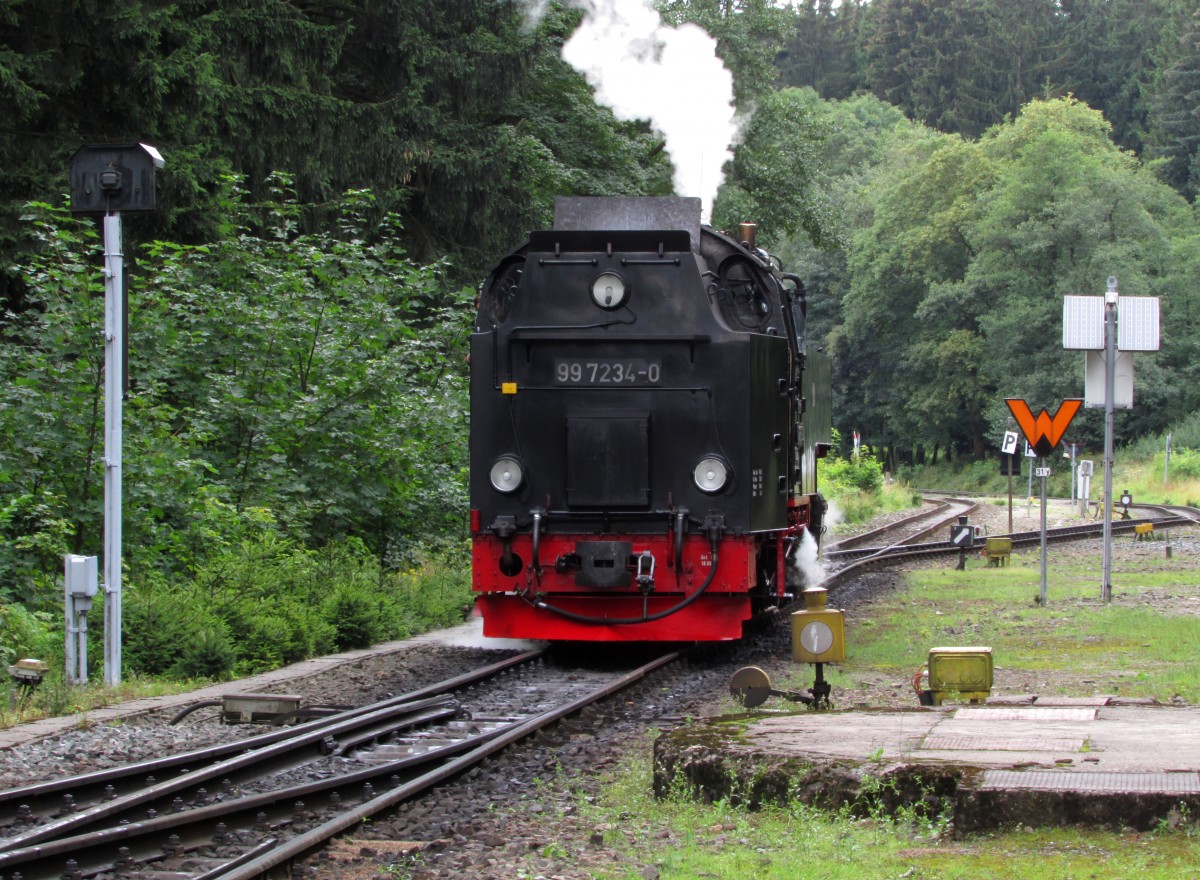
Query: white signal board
x=1137 y=323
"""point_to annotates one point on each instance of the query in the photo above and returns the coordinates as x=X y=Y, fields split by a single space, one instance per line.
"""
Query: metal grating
x=1105 y=783
x=1023 y=713
x=1002 y=743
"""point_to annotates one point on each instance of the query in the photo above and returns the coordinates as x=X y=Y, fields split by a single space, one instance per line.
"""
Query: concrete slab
x=1074 y=761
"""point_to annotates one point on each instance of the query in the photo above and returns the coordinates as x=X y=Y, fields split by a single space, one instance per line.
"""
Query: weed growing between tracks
x=677 y=838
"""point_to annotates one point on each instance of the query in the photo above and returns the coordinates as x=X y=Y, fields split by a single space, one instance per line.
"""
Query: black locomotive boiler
x=645 y=425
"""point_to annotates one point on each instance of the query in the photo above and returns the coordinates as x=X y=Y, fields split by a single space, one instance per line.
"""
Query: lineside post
x=1110 y=385
x=108 y=179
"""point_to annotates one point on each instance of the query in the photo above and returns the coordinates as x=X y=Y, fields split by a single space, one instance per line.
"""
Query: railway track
x=937 y=514
x=857 y=554
x=242 y=810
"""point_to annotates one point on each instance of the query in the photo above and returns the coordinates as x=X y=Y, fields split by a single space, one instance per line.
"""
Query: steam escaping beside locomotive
x=646 y=420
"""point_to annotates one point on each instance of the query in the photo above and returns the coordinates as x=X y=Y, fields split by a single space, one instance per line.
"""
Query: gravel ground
x=90 y=746
x=518 y=815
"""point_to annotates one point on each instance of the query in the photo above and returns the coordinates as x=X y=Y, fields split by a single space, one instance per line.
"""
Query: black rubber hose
x=645 y=618
x=188 y=710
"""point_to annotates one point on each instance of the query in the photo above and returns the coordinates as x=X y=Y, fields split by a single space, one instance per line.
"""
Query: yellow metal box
x=818 y=633
x=967 y=671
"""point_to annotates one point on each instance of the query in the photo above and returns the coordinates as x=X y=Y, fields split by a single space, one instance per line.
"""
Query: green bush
x=24 y=633
x=207 y=654
x=437 y=591
x=1185 y=463
x=358 y=617
x=267 y=602
x=861 y=472
x=1185 y=435
x=268 y=635
x=166 y=629
x=34 y=537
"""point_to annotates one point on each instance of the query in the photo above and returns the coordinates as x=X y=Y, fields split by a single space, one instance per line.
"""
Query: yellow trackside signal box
x=965 y=672
x=818 y=633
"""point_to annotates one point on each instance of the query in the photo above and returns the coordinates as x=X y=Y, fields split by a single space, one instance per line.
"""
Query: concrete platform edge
x=717 y=760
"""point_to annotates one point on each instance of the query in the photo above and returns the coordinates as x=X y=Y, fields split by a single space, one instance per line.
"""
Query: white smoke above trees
x=643 y=69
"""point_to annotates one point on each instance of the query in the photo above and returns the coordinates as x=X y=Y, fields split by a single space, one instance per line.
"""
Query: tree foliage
x=773 y=173
x=957 y=281
x=1176 y=116
x=821 y=52
x=749 y=33
x=438 y=109
x=959 y=66
x=312 y=375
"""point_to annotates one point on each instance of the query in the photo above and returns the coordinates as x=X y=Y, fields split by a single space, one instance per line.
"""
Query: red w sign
x=1043 y=431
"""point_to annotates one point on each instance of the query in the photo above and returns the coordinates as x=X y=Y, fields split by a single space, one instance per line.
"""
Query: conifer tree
x=1176 y=125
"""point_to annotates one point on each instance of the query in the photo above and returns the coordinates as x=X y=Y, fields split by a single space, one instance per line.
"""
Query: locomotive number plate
x=607 y=371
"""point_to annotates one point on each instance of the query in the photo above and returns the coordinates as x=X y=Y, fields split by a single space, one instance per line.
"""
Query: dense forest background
x=341 y=173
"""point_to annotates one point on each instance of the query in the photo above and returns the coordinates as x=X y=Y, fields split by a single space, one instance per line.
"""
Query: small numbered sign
x=1041 y=472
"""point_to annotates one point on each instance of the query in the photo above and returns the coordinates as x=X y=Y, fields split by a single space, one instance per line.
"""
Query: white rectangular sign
x=1137 y=323
x=1083 y=322
x=1093 y=380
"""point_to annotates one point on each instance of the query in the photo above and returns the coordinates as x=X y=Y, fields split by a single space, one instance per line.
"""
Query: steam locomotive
x=646 y=420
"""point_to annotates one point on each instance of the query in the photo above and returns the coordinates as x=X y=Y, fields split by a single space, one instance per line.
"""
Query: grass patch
x=683 y=839
x=56 y=697
x=1142 y=644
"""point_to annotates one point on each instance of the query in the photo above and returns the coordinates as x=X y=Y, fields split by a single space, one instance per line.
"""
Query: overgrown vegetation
x=854 y=483
x=680 y=838
x=294 y=442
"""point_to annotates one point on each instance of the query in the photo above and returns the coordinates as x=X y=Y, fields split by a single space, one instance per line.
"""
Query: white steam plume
x=643 y=69
x=807 y=561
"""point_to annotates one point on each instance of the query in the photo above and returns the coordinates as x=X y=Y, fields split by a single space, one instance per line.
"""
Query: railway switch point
x=751 y=686
x=257 y=708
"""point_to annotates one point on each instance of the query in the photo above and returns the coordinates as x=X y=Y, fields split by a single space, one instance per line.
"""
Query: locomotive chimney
x=746 y=234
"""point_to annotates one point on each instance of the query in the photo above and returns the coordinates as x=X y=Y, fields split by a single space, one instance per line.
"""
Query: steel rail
x=192 y=828
x=963 y=508
x=958 y=507
x=855 y=540
x=305 y=843
x=190 y=765
x=880 y=556
x=294 y=751
x=90 y=852
x=1057 y=534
